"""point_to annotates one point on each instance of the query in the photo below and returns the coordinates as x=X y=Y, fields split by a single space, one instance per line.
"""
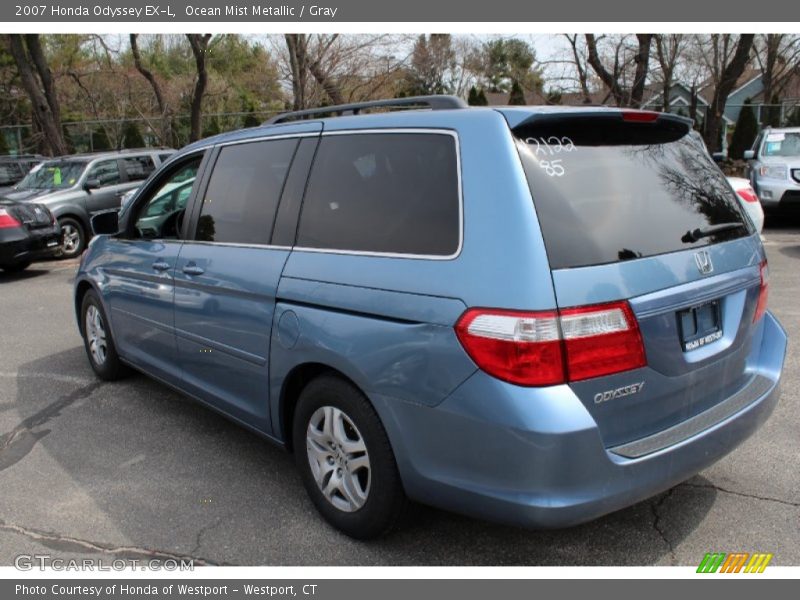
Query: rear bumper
x=534 y=457
x=22 y=246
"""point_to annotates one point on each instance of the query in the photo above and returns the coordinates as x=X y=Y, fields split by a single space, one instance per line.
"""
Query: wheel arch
x=293 y=385
x=82 y=286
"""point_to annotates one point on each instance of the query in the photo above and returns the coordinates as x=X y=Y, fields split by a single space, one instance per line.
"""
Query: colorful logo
x=735 y=562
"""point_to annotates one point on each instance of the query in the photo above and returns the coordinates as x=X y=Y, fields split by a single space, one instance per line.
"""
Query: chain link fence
x=93 y=135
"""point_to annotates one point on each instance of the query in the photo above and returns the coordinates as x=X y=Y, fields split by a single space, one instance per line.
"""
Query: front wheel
x=97 y=340
x=345 y=460
x=73 y=237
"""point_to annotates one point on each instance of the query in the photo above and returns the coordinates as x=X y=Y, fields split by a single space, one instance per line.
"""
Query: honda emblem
x=703 y=260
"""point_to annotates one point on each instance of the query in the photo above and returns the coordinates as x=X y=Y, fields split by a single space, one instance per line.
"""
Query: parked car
x=534 y=315
x=78 y=186
x=14 y=167
x=749 y=200
x=744 y=191
x=774 y=167
x=28 y=232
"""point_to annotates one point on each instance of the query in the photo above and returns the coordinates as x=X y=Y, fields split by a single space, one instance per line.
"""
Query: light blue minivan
x=534 y=315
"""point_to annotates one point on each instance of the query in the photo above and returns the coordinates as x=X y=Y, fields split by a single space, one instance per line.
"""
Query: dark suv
x=78 y=186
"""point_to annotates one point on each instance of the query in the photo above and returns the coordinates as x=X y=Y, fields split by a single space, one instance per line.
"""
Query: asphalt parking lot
x=134 y=470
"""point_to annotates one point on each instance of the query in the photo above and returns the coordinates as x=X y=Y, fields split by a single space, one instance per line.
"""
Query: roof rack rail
x=430 y=102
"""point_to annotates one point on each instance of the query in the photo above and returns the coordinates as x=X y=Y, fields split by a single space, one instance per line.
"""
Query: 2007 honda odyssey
x=534 y=315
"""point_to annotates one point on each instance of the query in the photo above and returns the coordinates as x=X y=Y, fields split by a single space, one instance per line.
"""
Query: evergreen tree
x=250 y=120
x=745 y=132
x=482 y=100
x=793 y=120
x=773 y=112
x=517 y=96
x=472 y=97
x=131 y=136
x=100 y=140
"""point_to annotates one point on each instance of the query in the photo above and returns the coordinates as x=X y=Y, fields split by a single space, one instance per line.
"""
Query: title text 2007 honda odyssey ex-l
x=534 y=315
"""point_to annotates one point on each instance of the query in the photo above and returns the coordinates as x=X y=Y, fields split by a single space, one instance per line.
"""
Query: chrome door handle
x=193 y=269
x=160 y=265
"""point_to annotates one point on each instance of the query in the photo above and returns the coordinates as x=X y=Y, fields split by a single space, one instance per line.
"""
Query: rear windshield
x=607 y=190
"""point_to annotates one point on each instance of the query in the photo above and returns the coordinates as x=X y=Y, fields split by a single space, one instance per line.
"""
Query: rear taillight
x=747 y=194
x=518 y=347
x=761 y=307
x=549 y=348
x=7 y=221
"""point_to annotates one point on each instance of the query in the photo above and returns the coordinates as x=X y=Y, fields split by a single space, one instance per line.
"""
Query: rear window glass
x=607 y=191
x=383 y=192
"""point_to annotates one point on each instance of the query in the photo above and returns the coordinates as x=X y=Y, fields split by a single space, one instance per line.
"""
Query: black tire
x=72 y=249
x=16 y=267
x=386 y=502
x=111 y=368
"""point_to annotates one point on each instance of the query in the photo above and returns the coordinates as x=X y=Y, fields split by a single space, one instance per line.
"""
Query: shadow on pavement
x=167 y=474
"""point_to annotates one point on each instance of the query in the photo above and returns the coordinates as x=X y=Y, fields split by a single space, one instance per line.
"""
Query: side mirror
x=105 y=223
x=718 y=157
x=91 y=184
x=749 y=154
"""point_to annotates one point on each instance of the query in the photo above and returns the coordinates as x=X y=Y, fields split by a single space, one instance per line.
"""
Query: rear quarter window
x=395 y=193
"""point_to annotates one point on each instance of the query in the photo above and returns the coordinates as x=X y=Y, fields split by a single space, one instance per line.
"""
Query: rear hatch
x=634 y=213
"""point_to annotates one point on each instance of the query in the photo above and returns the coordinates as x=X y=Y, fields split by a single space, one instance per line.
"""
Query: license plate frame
x=700 y=325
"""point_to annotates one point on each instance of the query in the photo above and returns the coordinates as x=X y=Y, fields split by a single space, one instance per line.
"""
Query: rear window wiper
x=692 y=236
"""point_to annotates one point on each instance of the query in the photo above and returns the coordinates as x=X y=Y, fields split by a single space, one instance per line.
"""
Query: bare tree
x=726 y=56
x=315 y=61
x=333 y=68
x=642 y=60
x=614 y=72
x=40 y=89
x=297 y=45
x=199 y=43
x=669 y=49
x=163 y=107
x=580 y=66
x=778 y=56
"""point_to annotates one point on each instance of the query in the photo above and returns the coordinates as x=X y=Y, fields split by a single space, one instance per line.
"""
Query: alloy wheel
x=96 y=335
x=338 y=458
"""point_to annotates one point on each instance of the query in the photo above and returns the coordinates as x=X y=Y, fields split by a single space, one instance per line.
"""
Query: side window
x=164 y=157
x=243 y=192
x=105 y=173
x=159 y=216
x=138 y=168
x=383 y=192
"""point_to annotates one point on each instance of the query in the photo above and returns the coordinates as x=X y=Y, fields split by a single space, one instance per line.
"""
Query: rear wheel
x=97 y=340
x=345 y=460
x=73 y=237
